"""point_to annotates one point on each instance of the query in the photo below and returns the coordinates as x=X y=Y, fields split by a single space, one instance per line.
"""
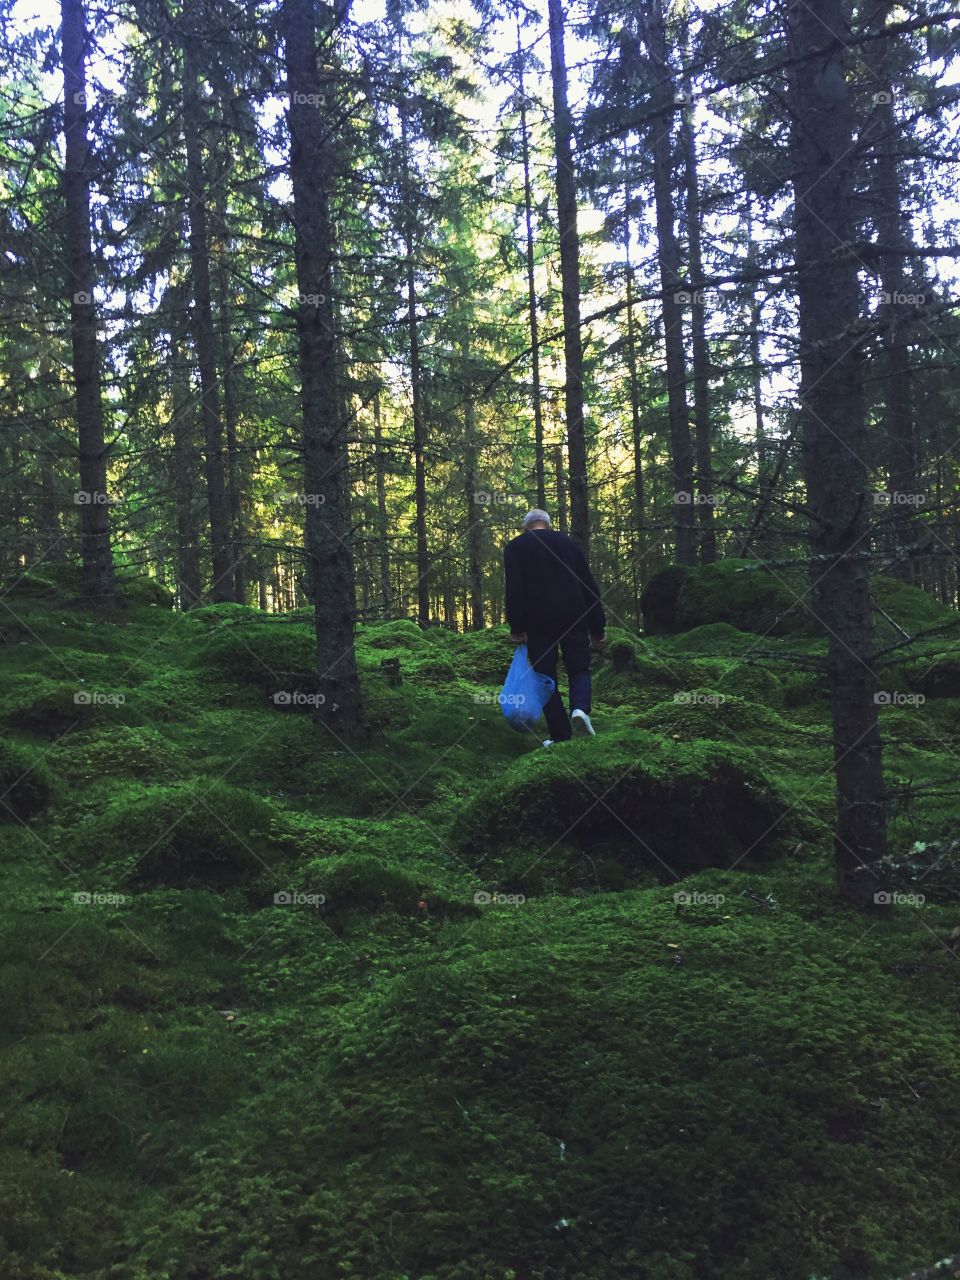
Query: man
x=553 y=603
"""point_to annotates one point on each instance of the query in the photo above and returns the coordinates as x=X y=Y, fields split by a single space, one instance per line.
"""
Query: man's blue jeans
x=574 y=646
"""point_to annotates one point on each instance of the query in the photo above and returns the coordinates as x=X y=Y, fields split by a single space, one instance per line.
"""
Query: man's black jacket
x=549 y=584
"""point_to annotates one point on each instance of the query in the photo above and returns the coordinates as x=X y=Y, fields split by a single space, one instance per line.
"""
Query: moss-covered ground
x=447 y=1005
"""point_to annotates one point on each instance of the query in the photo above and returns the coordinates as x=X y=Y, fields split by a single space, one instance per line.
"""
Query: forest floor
x=259 y=1025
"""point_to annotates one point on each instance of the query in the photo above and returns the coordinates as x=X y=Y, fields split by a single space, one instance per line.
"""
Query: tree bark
x=92 y=498
x=327 y=547
x=383 y=546
x=569 y=282
x=833 y=428
x=184 y=457
x=531 y=285
x=661 y=144
x=204 y=334
x=700 y=350
x=639 y=517
x=473 y=508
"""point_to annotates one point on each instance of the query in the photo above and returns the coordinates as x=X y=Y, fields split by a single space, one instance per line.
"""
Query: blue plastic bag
x=525 y=692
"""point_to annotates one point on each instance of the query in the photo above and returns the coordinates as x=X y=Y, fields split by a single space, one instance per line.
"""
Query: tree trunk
x=561 y=491
x=416 y=377
x=184 y=458
x=531 y=286
x=681 y=453
x=892 y=228
x=383 y=546
x=569 y=281
x=701 y=352
x=474 y=509
x=231 y=405
x=832 y=422
x=92 y=498
x=204 y=335
x=639 y=555
x=329 y=560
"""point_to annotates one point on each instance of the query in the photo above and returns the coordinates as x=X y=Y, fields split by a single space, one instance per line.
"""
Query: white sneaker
x=548 y=742
x=581 y=726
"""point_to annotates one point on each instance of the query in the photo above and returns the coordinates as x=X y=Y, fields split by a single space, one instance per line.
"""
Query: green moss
x=746 y=596
x=25 y=781
x=664 y=805
x=910 y=607
x=145 y=591
x=181 y=835
x=270 y=656
x=118 y=752
x=710 y=713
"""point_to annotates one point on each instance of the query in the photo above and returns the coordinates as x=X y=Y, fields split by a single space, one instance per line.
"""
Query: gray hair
x=536 y=516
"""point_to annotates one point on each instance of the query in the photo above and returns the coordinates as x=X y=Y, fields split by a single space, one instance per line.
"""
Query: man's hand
x=597 y=643
x=518 y=637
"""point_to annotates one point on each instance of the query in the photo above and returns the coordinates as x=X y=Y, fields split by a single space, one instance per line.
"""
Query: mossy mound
x=44 y=706
x=25 y=781
x=710 y=713
x=713 y=638
x=403 y=633
x=145 y=591
x=29 y=584
x=185 y=835
x=911 y=608
x=366 y=884
x=122 y=751
x=658 y=601
x=212 y=615
x=747 y=596
x=666 y=806
x=269 y=656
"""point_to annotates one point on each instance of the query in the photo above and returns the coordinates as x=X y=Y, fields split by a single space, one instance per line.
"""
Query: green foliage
x=145 y=591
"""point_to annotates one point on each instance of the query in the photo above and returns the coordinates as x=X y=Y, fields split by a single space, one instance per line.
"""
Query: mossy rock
x=659 y=601
x=672 y=807
x=145 y=590
x=25 y=781
x=747 y=596
x=910 y=607
x=185 y=835
x=713 y=714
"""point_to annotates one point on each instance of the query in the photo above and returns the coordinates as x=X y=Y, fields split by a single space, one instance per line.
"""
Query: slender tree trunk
x=892 y=228
x=416 y=376
x=701 y=352
x=231 y=404
x=569 y=281
x=639 y=516
x=92 y=498
x=681 y=452
x=325 y=463
x=561 y=489
x=473 y=508
x=383 y=546
x=204 y=334
x=832 y=421
x=531 y=284
x=185 y=456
